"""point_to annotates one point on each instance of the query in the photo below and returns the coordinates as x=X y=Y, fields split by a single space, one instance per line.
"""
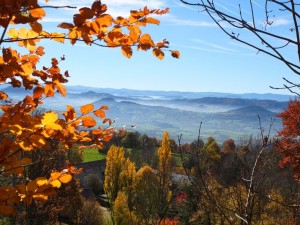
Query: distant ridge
x=179 y=94
x=251 y=110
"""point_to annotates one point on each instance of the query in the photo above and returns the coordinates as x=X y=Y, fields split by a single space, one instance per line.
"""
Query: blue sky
x=210 y=61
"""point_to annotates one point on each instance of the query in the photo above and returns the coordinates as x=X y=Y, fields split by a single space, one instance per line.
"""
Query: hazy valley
x=223 y=115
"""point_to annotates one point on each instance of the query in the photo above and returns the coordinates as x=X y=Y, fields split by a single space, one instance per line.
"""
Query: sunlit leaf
x=152 y=20
x=65 y=178
x=49 y=118
x=55 y=183
x=99 y=113
x=55 y=175
x=13 y=33
x=41 y=181
x=88 y=121
x=37 y=13
x=86 y=108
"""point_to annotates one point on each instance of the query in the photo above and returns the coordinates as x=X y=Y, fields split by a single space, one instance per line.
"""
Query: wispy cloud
x=184 y=22
x=214 y=46
x=212 y=50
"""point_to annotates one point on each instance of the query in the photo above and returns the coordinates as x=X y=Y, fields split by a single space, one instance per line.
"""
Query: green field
x=92 y=154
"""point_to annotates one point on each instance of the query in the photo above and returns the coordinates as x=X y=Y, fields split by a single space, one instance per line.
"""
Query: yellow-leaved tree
x=21 y=130
x=164 y=172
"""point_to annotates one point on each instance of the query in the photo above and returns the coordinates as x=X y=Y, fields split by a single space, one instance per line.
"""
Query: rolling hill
x=152 y=112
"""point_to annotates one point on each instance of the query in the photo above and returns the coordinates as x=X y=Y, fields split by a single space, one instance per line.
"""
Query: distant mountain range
x=223 y=115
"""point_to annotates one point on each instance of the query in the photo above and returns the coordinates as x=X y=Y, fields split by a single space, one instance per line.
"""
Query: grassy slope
x=92 y=154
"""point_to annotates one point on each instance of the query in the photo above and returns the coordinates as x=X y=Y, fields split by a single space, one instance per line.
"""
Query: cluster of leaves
x=21 y=130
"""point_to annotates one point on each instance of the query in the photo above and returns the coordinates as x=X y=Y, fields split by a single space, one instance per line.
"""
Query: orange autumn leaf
x=88 y=121
x=49 y=91
x=99 y=113
x=158 y=53
x=55 y=175
x=176 y=54
x=38 y=92
x=37 y=13
x=40 y=51
x=104 y=107
x=3 y=95
x=65 y=178
x=126 y=51
x=55 y=183
x=85 y=109
x=152 y=21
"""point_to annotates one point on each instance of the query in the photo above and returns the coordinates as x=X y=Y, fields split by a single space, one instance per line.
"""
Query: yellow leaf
x=65 y=178
x=73 y=36
x=37 y=13
x=88 y=121
x=59 y=37
x=41 y=181
x=13 y=33
x=26 y=69
x=22 y=33
x=49 y=118
x=56 y=184
x=152 y=20
x=55 y=126
x=87 y=108
x=32 y=34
